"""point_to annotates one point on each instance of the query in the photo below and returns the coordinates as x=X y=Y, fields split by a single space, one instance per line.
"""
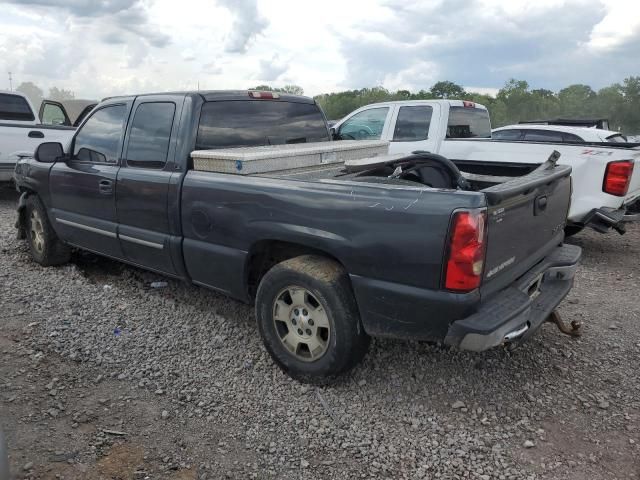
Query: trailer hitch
x=573 y=330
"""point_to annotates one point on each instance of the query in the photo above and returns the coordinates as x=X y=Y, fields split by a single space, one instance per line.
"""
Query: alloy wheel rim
x=301 y=323
x=37 y=231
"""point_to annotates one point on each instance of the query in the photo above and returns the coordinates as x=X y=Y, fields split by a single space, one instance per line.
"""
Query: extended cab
x=21 y=130
x=605 y=186
x=404 y=246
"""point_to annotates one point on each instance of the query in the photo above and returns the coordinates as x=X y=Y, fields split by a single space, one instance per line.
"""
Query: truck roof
x=213 y=95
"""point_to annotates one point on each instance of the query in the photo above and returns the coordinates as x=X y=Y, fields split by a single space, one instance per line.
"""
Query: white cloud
x=272 y=69
x=102 y=48
x=248 y=23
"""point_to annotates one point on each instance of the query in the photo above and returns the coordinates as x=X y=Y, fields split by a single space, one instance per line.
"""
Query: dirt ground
x=74 y=406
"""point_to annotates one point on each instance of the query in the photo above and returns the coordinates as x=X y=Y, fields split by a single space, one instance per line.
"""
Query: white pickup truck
x=605 y=188
x=22 y=130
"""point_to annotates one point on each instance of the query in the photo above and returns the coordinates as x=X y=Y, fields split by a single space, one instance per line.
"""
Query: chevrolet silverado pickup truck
x=21 y=130
x=606 y=190
x=403 y=246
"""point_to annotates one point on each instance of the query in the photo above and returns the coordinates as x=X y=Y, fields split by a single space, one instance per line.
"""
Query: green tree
x=290 y=89
x=33 y=92
x=447 y=89
x=60 y=94
x=577 y=100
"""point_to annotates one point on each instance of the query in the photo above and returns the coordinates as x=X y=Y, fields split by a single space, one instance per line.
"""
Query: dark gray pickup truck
x=407 y=247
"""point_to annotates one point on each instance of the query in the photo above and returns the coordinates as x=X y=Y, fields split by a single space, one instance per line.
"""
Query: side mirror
x=334 y=134
x=49 y=152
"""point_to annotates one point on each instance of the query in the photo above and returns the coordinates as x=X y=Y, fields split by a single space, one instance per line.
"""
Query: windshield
x=228 y=124
x=465 y=122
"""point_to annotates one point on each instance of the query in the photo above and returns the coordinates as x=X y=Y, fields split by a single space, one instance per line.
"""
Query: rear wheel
x=308 y=319
x=44 y=245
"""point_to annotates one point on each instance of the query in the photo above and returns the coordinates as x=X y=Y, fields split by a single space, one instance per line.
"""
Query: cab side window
x=99 y=139
x=150 y=134
x=412 y=124
x=365 y=125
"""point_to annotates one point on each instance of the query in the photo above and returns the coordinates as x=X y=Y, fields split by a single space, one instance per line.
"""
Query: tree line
x=515 y=102
x=35 y=94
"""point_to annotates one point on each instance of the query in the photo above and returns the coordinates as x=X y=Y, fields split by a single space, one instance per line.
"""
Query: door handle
x=105 y=187
x=35 y=134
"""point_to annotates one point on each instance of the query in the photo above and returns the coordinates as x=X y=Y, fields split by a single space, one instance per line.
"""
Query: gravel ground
x=102 y=376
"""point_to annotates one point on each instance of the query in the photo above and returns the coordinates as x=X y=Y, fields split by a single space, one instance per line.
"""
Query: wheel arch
x=265 y=254
x=21 y=221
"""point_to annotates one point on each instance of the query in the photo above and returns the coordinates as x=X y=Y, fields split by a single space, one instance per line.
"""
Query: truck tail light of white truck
x=467 y=249
x=617 y=177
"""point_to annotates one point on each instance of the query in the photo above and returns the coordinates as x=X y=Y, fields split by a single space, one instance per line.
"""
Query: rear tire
x=44 y=245
x=308 y=319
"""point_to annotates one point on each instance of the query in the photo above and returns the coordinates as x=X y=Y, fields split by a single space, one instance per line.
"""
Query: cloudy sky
x=106 y=47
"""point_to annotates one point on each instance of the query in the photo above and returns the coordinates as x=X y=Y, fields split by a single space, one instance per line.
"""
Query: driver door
x=83 y=187
x=367 y=124
x=53 y=113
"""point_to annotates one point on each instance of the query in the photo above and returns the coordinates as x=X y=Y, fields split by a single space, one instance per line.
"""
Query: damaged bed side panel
x=378 y=232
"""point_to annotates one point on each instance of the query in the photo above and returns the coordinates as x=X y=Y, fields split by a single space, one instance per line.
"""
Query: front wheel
x=308 y=319
x=44 y=245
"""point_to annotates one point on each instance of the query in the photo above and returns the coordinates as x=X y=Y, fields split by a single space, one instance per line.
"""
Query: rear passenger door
x=412 y=129
x=142 y=189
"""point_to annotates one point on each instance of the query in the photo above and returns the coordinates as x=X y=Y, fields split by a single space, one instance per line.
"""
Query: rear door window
x=468 y=122
x=543 y=136
x=150 y=134
x=239 y=123
x=365 y=125
x=413 y=123
x=14 y=107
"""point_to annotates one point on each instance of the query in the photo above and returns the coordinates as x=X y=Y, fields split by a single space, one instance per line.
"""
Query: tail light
x=467 y=247
x=617 y=177
x=468 y=104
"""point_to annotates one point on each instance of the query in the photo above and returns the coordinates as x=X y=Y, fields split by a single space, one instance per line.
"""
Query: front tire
x=308 y=319
x=44 y=245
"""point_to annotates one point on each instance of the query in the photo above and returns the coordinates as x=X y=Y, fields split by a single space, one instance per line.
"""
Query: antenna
x=10 y=83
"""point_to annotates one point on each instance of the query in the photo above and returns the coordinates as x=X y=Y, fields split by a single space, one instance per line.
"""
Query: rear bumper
x=515 y=313
x=604 y=219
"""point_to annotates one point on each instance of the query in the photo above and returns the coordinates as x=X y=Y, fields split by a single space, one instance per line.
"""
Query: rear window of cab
x=14 y=107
